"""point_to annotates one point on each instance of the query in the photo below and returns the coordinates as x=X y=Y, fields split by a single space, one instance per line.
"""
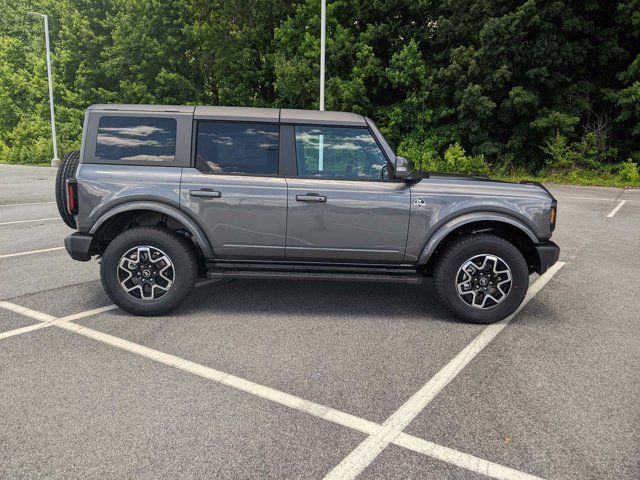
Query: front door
x=342 y=205
x=234 y=191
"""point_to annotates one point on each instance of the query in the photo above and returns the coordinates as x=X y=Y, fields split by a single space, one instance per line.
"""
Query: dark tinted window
x=249 y=148
x=339 y=152
x=136 y=139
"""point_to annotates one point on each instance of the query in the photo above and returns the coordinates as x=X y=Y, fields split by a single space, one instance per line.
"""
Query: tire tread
x=187 y=258
x=67 y=170
x=439 y=278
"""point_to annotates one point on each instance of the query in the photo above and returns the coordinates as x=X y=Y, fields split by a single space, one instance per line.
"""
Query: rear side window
x=237 y=148
x=136 y=139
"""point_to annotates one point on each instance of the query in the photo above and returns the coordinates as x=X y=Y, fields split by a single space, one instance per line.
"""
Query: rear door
x=343 y=207
x=235 y=191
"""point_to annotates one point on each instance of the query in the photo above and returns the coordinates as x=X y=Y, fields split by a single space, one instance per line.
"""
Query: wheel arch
x=502 y=225
x=116 y=219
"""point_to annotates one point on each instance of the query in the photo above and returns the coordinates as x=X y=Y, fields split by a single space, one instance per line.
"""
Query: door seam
x=286 y=218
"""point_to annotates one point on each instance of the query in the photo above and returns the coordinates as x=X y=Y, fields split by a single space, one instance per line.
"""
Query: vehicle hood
x=481 y=186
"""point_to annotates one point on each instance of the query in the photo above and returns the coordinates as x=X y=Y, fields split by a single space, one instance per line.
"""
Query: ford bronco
x=167 y=194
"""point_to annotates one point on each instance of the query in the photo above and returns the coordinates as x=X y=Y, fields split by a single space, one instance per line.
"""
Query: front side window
x=136 y=139
x=339 y=152
x=237 y=148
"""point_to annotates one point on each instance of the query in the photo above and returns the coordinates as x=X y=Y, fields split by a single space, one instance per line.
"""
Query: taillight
x=552 y=216
x=72 y=196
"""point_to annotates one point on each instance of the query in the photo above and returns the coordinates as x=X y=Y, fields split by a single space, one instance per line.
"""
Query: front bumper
x=78 y=245
x=548 y=254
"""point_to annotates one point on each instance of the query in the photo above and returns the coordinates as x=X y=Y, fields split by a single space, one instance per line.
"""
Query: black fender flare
x=465 y=219
x=198 y=234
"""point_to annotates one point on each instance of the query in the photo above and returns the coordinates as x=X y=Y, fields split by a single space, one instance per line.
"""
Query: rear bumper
x=548 y=254
x=78 y=245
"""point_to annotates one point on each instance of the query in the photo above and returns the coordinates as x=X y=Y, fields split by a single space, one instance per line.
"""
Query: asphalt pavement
x=292 y=379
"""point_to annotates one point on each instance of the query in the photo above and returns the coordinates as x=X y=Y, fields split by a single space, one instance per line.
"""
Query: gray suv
x=167 y=194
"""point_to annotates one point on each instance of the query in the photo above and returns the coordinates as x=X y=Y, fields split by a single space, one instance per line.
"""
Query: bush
x=456 y=161
x=629 y=172
x=591 y=152
x=561 y=156
x=4 y=153
x=424 y=155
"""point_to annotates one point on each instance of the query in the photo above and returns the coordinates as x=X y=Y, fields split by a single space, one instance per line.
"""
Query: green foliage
x=590 y=152
x=456 y=160
x=561 y=156
x=544 y=88
x=629 y=172
x=424 y=155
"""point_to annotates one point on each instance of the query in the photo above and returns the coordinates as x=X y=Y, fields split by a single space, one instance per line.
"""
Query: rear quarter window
x=136 y=139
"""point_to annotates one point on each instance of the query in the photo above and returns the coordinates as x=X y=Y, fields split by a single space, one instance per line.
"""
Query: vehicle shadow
x=318 y=298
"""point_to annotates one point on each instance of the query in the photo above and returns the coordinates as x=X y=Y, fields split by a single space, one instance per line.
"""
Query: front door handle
x=311 y=197
x=205 y=192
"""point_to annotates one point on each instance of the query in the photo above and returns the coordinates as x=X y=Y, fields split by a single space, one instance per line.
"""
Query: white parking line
x=460 y=459
x=354 y=463
x=29 y=221
x=9 y=255
x=20 y=331
x=591 y=198
x=49 y=320
x=23 y=204
x=27 y=312
x=45 y=319
x=598 y=199
x=353 y=422
x=618 y=207
x=389 y=432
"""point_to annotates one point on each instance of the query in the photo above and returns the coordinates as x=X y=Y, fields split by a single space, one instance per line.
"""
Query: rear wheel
x=481 y=278
x=148 y=270
x=66 y=171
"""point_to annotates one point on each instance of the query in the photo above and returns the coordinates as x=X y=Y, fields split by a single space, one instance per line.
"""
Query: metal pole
x=55 y=161
x=323 y=27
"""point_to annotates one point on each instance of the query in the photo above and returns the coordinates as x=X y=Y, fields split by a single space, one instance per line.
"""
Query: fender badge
x=419 y=202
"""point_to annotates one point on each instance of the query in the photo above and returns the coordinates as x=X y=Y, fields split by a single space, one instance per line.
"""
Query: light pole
x=323 y=27
x=55 y=161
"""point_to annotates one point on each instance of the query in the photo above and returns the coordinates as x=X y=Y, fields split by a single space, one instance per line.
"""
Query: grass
x=588 y=179
x=42 y=164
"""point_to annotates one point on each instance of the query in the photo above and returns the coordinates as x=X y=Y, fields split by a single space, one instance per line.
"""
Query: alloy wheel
x=484 y=281
x=146 y=272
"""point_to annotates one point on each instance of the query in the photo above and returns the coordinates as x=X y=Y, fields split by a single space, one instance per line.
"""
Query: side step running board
x=407 y=278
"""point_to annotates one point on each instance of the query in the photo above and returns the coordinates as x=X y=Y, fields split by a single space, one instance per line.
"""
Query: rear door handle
x=311 y=197
x=205 y=192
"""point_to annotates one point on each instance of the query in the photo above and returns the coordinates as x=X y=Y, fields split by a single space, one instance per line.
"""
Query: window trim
x=183 y=147
x=194 y=147
x=343 y=179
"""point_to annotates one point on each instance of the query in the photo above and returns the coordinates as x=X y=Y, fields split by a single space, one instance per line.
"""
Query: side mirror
x=403 y=168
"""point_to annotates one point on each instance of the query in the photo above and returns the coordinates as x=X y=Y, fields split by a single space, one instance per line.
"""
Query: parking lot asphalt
x=286 y=379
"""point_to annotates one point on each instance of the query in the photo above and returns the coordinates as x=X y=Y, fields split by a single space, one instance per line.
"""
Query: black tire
x=181 y=254
x=67 y=170
x=447 y=268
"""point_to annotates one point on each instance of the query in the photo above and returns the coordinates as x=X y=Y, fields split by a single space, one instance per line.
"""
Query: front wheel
x=148 y=270
x=481 y=278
